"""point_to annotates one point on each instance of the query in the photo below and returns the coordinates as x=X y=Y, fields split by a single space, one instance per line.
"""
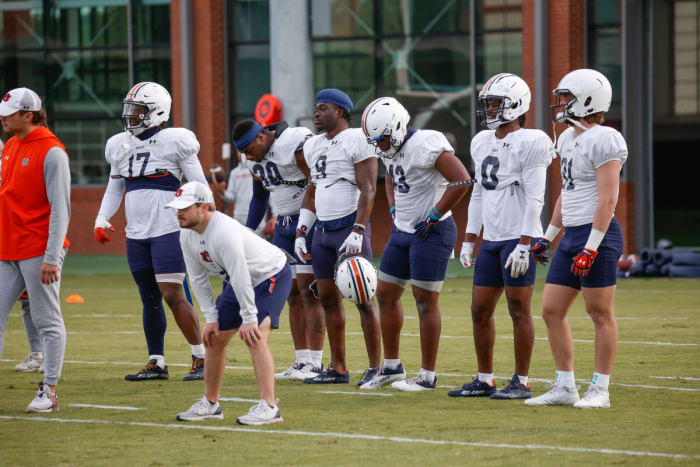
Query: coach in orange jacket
x=34 y=215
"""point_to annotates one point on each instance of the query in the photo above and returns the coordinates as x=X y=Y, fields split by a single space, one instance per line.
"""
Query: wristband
x=306 y=220
x=552 y=232
x=436 y=213
x=594 y=239
x=359 y=227
x=391 y=210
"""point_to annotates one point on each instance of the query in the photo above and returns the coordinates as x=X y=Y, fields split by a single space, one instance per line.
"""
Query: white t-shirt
x=332 y=164
x=417 y=183
x=173 y=150
x=506 y=174
x=580 y=157
x=279 y=163
x=228 y=248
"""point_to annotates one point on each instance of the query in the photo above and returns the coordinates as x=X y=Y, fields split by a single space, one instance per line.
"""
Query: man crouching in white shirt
x=257 y=281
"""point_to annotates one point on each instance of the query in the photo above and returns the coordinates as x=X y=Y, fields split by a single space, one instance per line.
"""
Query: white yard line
x=356 y=393
x=685 y=378
x=363 y=436
x=110 y=407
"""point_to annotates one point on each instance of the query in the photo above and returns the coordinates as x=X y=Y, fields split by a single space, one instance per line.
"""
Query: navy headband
x=248 y=137
x=335 y=96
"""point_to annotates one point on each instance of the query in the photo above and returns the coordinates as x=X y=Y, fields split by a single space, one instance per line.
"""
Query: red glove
x=101 y=236
x=583 y=262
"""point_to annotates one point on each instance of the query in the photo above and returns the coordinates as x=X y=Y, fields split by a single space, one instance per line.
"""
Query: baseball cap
x=19 y=99
x=335 y=96
x=190 y=193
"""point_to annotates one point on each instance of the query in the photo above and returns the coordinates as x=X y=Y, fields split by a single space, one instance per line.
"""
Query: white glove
x=518 y=260
x=466 y=255
x=101 y=221
x=300 y=249
x=352 y=244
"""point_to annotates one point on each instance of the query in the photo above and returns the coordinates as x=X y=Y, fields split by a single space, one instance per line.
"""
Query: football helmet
x=356 y=278
x=591 y=93
x=512 y=95
x=145 y=106
x=386 y=117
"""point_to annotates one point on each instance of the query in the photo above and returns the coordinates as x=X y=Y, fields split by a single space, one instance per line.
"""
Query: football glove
x=423 y=228
x=300 y=249
x=466 y=255
x=518 y=261
x=582 y=262
x=353 y=244
x=539 y=250
x=101 y=228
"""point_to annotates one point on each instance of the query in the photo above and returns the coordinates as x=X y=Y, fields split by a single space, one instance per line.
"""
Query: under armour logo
x=178 y=192
x=522 y=255
x=506 y=145
x=205 y=256
x=25 y=162
x=334 y=143
x=7 y=97
x=576 y=144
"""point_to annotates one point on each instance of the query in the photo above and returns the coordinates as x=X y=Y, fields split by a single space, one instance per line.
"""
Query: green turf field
x=655 y=391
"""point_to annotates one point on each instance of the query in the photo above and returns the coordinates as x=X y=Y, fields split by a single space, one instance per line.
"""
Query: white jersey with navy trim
x=279 y=163
x=332 y=164
x=501 y=168
x=418 y=185
x=169 y=152
x=580 y=157
x=229 y=249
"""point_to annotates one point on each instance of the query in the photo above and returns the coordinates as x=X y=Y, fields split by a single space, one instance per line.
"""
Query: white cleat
x=31 y=363
x=419 y=383
x=201 y=410
x=44 y=401
x=558 y=395
x=384 y=377
x=260 y=414
x=595 y=398
x=299 y=371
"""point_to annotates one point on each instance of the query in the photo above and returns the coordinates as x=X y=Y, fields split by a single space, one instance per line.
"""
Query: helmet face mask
x=145 y=106
x=385 y=118
x=504 y=98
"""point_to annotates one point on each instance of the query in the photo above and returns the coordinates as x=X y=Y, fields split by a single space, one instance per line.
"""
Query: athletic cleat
x=148 y=372
x=260 y=414
x=44 y=401
x=383 y=377
x=474 y=389
x=558 y=395
x=419 y=383
x=296 y=372
x=197 y=371
x=201 y=410
x=595 y=398
x=514 y=390
x=309 y=371
x=329 y=376
x=368 y=374
x=31 y=363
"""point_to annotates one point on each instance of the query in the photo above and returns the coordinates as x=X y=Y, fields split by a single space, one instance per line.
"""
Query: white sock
x=197 y=350
x=302 y=355
x=565 y=379
x=429 y=374
x=160 y=360
x=523 y=380
x=392 y=363
x=485 y=378
x=316 y=357
x=601 y=380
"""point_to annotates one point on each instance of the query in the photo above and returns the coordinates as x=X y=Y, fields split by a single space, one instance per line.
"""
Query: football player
x=274 y=155
x=419 y=164
x=344 y=175
x=592 y=156
x=148 y=161
x=511 y=172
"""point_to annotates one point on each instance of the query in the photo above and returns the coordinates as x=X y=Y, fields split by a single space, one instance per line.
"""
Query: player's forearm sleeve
x=112 y=197
x=258 y=205
x=535 y=180
x=57 y=182
x=474 y=219
x=192 y=170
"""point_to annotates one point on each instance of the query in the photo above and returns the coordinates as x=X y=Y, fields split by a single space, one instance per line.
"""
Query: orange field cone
x=75 y=298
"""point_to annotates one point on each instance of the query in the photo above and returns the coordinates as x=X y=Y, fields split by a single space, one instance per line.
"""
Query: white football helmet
x=356 y=278
x=591 y=93
x=145 y=106
x=512 y=94
x=386 y=117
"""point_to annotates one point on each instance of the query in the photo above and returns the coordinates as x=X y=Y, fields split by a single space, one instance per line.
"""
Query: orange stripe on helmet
x=135 y=89
x=358 y=279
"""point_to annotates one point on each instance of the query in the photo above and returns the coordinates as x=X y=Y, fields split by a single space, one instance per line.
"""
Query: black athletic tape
x=462 y=182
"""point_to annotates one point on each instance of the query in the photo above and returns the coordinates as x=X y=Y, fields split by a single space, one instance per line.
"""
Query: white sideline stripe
x=237 y=399
x=112 y=407
x=686 y=378
x=457 y=375
x=362 y=436
x=356 y=393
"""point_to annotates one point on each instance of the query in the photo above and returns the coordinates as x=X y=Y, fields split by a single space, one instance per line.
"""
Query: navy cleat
x=474 y=389
x=150 y=371
x=384 y=377
x=197 y=371
x=514 y=390
x=329 y=376
x=368 y=375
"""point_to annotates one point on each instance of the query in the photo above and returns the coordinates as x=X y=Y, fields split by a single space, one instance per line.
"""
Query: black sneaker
x=474 y=389
x=329 y=376
x=368 y=375
x=150 y=371
x=514 y=390
x=197 y=371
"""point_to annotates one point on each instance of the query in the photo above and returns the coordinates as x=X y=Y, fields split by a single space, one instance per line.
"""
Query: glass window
x=251 y=20
x=252 y=75
x=686 y=57
x=605 y=48
x=21 y=25
x=342 y=18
